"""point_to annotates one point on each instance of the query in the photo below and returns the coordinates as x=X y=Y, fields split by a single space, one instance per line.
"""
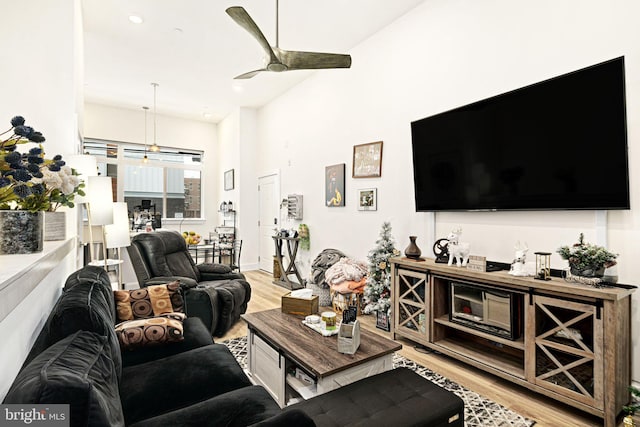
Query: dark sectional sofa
x=77 y=360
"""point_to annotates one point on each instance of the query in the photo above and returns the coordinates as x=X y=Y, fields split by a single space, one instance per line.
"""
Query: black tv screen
x=557 y=144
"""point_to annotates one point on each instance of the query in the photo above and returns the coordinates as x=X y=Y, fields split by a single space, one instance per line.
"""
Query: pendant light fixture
x=145 y=159
x=154 y=147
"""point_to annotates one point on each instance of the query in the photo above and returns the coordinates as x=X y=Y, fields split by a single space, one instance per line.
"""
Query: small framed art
x=368 y=199
x=334 y=185
x=367 y=160
x=228 y=180
x=382 y=320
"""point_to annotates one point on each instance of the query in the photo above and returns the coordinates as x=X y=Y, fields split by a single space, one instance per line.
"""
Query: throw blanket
x=346 y=270
x=326 y=259
x=350 y=286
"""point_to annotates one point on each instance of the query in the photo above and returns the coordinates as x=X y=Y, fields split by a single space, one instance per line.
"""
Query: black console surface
x=497 y=266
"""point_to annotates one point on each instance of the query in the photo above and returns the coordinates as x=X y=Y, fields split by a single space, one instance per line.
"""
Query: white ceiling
x=193 y=49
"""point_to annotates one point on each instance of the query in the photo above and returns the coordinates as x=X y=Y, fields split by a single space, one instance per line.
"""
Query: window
x=169 y=183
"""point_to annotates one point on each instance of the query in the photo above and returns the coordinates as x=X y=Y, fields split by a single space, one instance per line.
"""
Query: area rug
x=478 y=410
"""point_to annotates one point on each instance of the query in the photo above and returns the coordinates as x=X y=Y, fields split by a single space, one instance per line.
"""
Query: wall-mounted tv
x=557 y=144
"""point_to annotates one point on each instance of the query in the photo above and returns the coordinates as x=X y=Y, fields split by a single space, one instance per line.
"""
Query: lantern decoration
x=543 y=265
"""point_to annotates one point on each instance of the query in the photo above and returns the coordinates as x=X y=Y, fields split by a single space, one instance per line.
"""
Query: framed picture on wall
x=228 y=180
x=334 y=185
x=368 y=199
x=367 y=160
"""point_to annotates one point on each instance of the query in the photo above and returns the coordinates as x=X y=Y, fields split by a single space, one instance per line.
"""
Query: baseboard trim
x=249 y=267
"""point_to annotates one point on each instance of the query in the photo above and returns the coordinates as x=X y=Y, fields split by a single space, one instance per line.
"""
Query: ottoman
x=398 y=397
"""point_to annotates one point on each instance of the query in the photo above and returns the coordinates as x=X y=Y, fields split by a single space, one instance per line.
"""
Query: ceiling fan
x=284 y=60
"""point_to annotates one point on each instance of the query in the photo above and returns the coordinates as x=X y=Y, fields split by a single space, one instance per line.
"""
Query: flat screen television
x=557 y=144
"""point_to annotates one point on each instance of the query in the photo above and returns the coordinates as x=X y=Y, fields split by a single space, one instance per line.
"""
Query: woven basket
x=341 y=302
x=324 y=294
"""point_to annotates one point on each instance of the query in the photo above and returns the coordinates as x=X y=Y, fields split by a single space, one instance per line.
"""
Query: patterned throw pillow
x=148 y=302
x=164 y=329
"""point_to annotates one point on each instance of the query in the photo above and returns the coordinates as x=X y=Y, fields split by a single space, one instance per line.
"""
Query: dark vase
x=597 y=271
x=412 y=251
x=21 y=232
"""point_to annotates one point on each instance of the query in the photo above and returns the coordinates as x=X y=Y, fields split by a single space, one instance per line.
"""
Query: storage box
x=349 y=337
x=299 y=306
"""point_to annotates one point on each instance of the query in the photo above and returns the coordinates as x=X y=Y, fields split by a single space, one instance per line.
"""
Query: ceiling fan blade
x=249 y=74
x=242 y=18
x=298 y=60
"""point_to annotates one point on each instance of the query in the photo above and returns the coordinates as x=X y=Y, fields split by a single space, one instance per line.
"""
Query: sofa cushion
x=237 y=408
x=78 y=371
x=161 y=330
x=149 y=302
x=195 y=335
x=84 y=307
x=93 y=275
x=163 y=385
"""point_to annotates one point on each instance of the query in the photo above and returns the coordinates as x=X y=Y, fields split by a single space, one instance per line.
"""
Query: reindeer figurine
x=520 y=266
x=457 y=250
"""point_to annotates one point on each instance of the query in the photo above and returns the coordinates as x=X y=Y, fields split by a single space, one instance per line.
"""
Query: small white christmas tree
x=377 y=292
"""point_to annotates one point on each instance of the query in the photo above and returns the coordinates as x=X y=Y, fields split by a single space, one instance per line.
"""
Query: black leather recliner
x=213 y=292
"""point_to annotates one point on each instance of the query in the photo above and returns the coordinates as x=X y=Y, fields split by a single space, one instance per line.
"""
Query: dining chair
x=235 y=255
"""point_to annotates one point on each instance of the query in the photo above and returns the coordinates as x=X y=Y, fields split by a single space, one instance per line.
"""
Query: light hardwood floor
x=546 y=412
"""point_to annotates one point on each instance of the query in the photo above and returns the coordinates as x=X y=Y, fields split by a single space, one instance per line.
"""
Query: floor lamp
x=117 y=234
x=85 y=166
x=99 y=201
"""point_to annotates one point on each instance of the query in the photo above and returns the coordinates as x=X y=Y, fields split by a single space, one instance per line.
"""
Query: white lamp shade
x=100 y=200
x=121 y=214
x=117 y=234
x=86 y=166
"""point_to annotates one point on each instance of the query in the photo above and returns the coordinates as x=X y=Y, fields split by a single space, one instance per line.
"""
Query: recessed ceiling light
x=135 y=19
x=207 y=115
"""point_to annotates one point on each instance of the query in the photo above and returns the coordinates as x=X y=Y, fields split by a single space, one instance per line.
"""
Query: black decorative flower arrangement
x=30 y=181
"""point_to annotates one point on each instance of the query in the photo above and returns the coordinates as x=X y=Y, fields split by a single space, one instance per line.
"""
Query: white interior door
x=269 y=213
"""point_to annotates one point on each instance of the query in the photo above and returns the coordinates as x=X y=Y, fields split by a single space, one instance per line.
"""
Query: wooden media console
x=568 y=341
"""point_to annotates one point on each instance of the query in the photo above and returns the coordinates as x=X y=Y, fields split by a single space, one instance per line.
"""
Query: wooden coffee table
x=279 y=343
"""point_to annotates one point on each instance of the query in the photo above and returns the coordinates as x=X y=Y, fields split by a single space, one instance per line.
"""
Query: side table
x=291 y=269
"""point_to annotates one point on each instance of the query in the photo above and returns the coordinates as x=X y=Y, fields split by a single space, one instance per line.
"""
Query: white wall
x=238 y=150
x=42 y=84
x=42 y=81
x=444 y=54
x=228 y=157
x=118 y=124
x=248 y=181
